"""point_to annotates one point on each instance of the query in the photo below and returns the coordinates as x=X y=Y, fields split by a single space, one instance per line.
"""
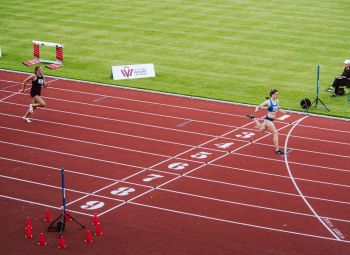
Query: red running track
x=169 y=174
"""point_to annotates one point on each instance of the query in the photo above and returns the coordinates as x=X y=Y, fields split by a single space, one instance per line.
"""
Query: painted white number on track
x=92 y=205
x=284 y=117
x=224 y=145
x=178 y=166
x=122 y=191
x=201 y=155
x=151 y=177
x=246 y=135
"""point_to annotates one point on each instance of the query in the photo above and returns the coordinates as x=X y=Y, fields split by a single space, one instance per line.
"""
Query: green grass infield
x=232 y=50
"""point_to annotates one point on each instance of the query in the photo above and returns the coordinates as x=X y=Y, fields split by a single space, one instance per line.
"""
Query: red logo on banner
x=127 y=72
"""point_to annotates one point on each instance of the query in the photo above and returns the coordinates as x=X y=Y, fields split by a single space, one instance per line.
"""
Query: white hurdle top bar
x=48 y=44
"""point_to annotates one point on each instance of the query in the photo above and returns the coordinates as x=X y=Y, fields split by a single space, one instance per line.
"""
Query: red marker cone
x=28 y=223
x=62 y=243
x=42 y=241
x=28 y=233
x=94 y=220
x=47 y=216
x=98 y=231
x=67 y=217
x=88 y=238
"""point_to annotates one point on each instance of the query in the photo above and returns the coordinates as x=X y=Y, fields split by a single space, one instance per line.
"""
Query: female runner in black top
x=37 y=80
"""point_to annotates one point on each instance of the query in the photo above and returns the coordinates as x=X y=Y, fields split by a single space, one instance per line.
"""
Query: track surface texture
x=169 y=174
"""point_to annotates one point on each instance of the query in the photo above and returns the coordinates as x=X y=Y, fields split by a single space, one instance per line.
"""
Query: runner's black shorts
x=34 y=93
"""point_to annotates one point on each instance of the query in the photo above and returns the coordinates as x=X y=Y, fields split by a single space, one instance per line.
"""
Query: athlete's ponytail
x=272 y=91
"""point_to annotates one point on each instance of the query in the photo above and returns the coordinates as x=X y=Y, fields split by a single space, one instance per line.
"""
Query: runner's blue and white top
x=273 y=107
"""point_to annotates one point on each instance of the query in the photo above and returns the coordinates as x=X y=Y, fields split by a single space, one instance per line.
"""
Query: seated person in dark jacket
x=341 y=81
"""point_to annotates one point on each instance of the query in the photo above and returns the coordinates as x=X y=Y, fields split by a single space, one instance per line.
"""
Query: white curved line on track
x=296 y=185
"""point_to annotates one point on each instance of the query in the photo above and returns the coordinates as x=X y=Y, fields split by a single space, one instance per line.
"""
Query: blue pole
x=63 y=191
x=318 y=79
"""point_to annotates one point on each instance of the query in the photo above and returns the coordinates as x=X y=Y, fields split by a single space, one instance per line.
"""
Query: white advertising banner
x=133 y=71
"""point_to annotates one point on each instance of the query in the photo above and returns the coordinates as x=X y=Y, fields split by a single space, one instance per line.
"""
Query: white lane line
x=166 y=190
x=74 y=155
x=41 y=204
x=100 y=98
x=118 y=120
x=93 y=143
x=296 y=185
x=171 y=129
x=267 y=190
x=74 y=172
x=184 y=123
x=11 y=95
x=139 y=112
x=237 y=222
x=13 y=85
x=249 y=205
x=111 y=132
x=159 y=127
x=57 y=187
x=294 y=162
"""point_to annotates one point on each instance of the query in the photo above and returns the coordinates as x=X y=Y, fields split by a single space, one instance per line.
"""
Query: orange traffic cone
x=98 y=231
x=88 y=238
x=28 y=223
x=42 y=241
x=62 y=243
x=94 y=220
x=47 y=216
x=28 y=233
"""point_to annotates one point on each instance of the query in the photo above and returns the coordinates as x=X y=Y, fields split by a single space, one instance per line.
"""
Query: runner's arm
x=265 y=103
x=30 y=78
x=45 y=85
x=281 y=110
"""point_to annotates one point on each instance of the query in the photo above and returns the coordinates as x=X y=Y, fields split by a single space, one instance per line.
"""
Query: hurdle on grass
x=36 y=52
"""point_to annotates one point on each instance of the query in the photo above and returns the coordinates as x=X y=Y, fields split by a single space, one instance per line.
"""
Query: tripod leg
x=314 y=102
x=63 y=224
x=51 y=224
x=323 y=104
x=75 y=220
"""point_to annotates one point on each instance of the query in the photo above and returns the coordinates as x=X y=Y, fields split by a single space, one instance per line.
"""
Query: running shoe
x=250 y=116
x=279 y=152
x=31 y=110
x=27 y=120
x=329 y=89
